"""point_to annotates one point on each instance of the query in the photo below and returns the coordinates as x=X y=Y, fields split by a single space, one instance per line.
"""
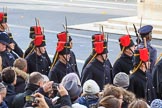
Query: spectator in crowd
x=20 y=67
x=128 y=97
x=156 y=103
x=64 y=98
x=42 y=103
x=3 y=92
x=121 y=80
x=115 y=91
x=90 y=96
x=34 y=82
x=138 y=104
x=109 y=102
x=72 y=84
x=9 y=79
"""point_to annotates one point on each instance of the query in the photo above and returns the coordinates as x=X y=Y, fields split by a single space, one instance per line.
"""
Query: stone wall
x=150 y=9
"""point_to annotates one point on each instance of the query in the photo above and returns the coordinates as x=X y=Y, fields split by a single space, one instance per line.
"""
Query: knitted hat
x=121 y=80
x=72 y=84
x=90 y=87
x=71 y=77
x=156 y=103
x=73 y=89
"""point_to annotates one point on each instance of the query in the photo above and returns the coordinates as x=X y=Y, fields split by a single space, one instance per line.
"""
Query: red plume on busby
x=125 y=40
x=60 y=46
x=100 y=47
x=63 y=47
x=98 y=37
x=3 y=17
x=140 y=55
x=39 y=40
x=35 y=30
x=144 y=54
x=63 y=37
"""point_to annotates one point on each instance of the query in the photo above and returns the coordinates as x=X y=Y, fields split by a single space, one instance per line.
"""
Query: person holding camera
x=34 y=82
x=40 y=101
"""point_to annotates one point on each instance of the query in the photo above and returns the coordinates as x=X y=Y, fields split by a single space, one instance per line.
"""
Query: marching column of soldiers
x=136 y=61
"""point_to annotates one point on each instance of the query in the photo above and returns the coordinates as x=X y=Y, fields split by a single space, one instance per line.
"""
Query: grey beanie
x=156 y=103
x=121 y=80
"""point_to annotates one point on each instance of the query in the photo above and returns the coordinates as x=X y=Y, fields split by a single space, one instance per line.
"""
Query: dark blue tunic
x=123 y=64
x=99 y=72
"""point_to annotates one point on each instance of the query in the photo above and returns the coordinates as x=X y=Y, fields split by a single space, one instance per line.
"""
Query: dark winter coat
x=88 y=100
x=10 y=95
x=7 y=59
x=97 y=71
x=141 y=85
x=157 y=78
x=3 y=105
x=19 y=100
x=123 y=64
x=59 y=71
x=37 y=63
x=20 y=85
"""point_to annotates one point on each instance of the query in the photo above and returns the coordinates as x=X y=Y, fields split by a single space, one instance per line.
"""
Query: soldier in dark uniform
x=98 y=38
x=98 y=70
x=6 y=58
x=3 y=27
x=12 y=46
x=36 y=61
x=35 y=30
x=157 y=78
x=124 y=62
x=95 y=38
x=140 y=80
x=62 y=66
x=146 y=32
x=63 y=36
